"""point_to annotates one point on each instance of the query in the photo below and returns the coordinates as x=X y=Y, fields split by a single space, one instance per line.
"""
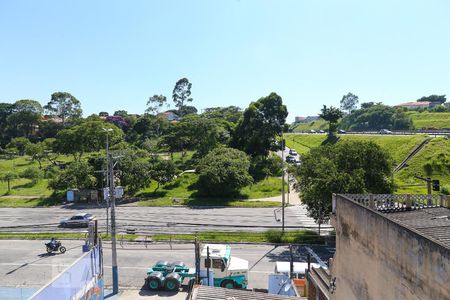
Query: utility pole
x=107 y=130
x=282 y=183
x=115 y=275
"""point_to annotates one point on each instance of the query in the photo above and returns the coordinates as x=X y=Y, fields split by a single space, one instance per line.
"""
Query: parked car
x=78 y=220
x=321 y=131
x=385 y=131
x=293 y=152
x=312 y=131
x=290 y=159
x=297 y=162
x=341 y=131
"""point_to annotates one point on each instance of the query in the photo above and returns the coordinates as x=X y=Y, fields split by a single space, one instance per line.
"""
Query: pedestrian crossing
x=297 y=215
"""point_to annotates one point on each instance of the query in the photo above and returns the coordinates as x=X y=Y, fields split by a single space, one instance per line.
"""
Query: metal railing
x=404 y=202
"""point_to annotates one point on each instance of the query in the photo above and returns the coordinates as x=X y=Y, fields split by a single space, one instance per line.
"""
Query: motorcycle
x=55 y=246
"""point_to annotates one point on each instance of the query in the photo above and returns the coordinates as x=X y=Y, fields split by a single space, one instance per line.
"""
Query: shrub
x=223 y=172
x=33 y=173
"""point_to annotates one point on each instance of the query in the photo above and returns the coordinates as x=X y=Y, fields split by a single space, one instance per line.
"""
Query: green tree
x=375 y=117
x=103 y=114
x=349 y=102
x=121 y=113
x=182 y=93
x=331 y=115
x=223 y=172
x=32 y=173
x=8 y=177
x=25 y=116
x=36 y=151
x=346 y=167
x=263 y=120
x=89 y=136
x=433 y=98
x=78 y=174
x=147 y=127
x=20 y=143
x=64 y=105
x=135 y=170
x=162 y=171
x=155 y=103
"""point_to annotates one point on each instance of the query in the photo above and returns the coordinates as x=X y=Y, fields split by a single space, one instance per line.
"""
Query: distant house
x=169 y=116
x=311 y=118
x=417 y=105
x=299 y=119
x=54 y=119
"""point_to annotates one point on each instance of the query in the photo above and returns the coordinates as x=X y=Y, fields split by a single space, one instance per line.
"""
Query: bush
x=223 y=172
x=33 y=173
x=262 y=167
x=445 y=189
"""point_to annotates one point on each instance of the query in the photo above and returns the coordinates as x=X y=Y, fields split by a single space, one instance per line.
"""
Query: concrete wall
x=377 y=258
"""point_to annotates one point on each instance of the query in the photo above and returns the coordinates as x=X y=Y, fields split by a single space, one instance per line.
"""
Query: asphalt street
x=148 y=220
x=25 y=263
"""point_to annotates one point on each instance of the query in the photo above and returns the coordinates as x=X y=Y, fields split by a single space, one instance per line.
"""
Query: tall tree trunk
x=9 y=185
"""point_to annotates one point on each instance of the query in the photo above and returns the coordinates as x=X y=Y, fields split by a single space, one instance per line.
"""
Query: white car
x=78 y=220
x=292 y=152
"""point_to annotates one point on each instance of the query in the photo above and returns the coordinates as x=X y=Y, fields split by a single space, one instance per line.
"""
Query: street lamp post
x=115 y=275
x=282 y=183
x=107 y=130
x=112 y=198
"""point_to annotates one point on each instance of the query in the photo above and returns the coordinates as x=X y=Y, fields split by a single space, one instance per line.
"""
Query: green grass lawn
x=49 y=235
x=432 y=161
x=398 y=146
x=182 y=191
x=271 y=236
x=316 y=125
x=433 y=120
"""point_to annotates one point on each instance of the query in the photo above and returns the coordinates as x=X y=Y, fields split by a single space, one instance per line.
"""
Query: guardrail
x=394 y=132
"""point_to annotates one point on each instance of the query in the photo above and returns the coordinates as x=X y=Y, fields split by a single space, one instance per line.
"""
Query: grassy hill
x=398 y=146
x=432 y=161
x=421 y=120
x=432 y=120
x=316 y=125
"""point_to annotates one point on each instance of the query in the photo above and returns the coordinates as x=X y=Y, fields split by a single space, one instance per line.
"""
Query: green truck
x=228 y=271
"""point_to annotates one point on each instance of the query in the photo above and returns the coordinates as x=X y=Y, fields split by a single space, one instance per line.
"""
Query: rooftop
x=213 y=293
x=427 y=215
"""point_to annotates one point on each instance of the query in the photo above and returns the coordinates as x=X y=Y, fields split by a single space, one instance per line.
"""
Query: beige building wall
x=377 y=258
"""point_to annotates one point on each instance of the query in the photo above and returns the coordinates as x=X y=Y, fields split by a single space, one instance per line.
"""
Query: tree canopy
x=182 y=94
x=223 y=172
x=346 y=167
x=64 y=105
x=155 y=103
x=331 y=115
x=433 y=98
x=376 y=117
x=349 y=102
x=262 y=121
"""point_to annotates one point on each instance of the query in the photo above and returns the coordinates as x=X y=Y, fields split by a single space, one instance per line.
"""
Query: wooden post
x=448 y=201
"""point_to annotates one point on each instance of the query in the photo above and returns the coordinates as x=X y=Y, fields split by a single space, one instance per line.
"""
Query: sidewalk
x=150 y=295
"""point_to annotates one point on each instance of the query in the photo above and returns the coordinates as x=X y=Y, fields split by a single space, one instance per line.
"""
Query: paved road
x=149 y=220
x=28 y=264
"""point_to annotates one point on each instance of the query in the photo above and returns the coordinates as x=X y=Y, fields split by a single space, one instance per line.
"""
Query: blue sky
x=115 y=54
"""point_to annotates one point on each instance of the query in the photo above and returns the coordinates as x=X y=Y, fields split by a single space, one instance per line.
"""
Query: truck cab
x=229 y=271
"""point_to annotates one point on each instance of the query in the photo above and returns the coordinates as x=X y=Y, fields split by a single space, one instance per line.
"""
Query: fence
x=393 y=203
x=82 y=280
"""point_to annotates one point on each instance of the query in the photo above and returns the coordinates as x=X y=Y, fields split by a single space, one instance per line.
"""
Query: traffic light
x=436 y=185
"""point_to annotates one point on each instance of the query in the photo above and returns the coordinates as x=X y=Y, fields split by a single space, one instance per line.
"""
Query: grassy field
x=183 y=191
x=316 y=125
x=49 y=235
x=432 y=161
x=271 y=236
x=431 y=120
x=421 y=120
x=398 y=146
